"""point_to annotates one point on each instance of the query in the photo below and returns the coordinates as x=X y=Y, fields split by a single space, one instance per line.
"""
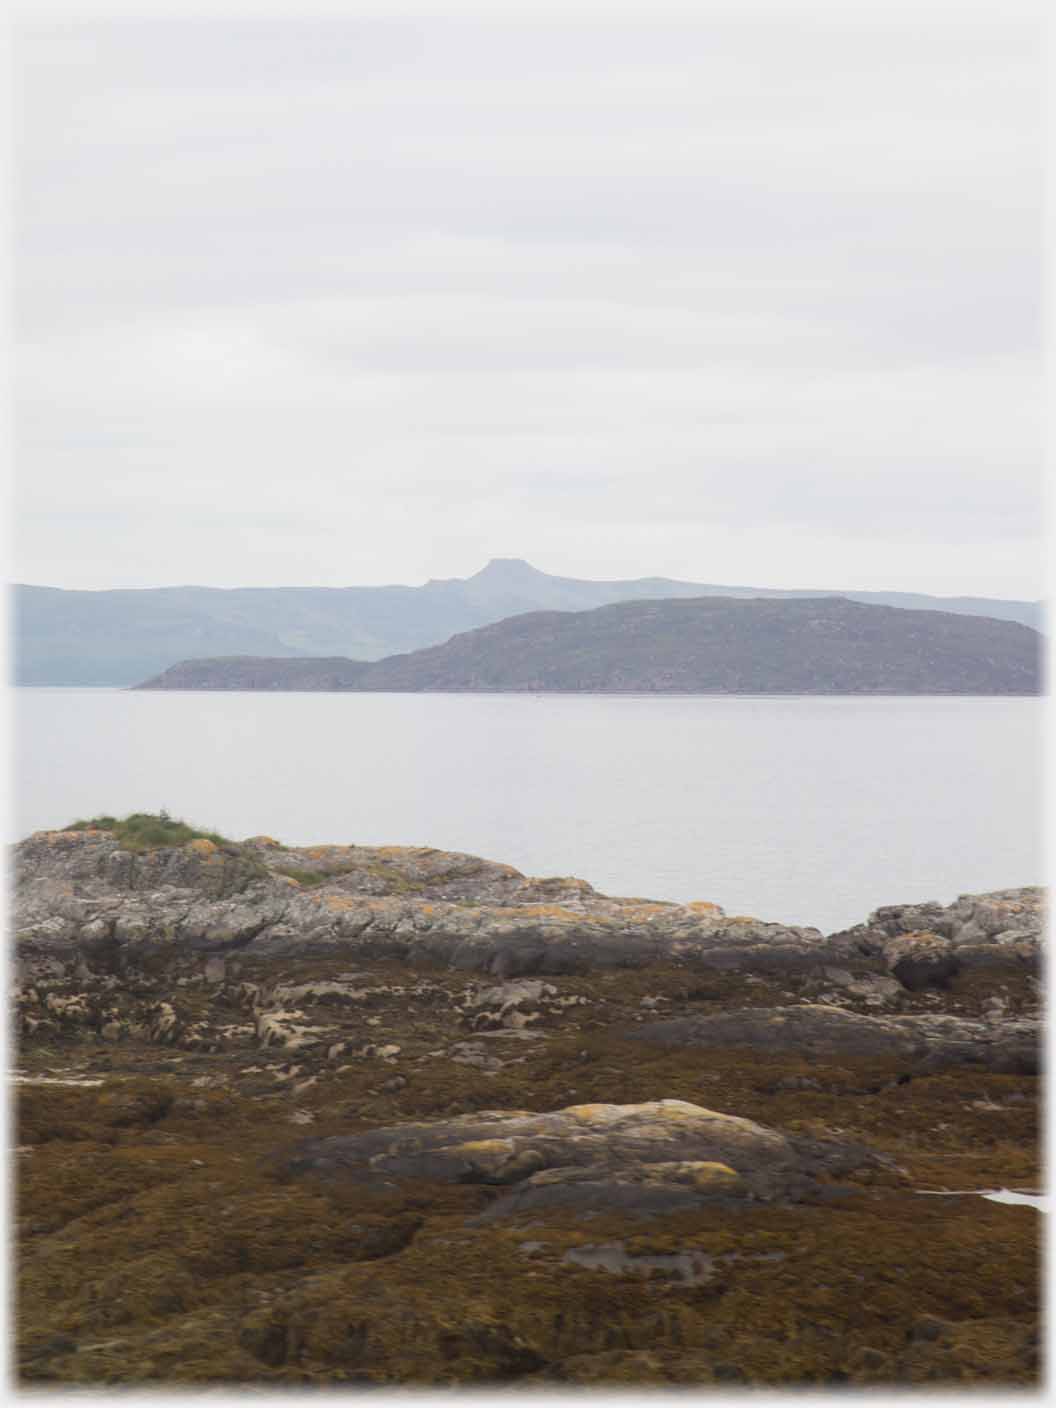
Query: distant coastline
x=124 y=637
x=705 y=645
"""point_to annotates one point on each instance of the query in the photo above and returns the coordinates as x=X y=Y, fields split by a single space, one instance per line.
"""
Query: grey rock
x=925 y=945
x=921 y=961
x=918 y=1043
x=655 y=1157
x=103 y=935
x=80 y=896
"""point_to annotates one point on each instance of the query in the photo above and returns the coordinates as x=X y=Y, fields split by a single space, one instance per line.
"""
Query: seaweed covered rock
x=661 y=1156
x=919 y=1042
x=499 y=1186
x=161 y=1243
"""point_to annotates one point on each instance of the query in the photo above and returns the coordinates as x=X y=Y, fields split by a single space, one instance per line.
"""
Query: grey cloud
x=528 y=279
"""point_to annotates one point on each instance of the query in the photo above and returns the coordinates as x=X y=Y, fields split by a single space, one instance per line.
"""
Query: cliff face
x=387 y=1115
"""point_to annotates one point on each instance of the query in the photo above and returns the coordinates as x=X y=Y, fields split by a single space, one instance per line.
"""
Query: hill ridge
x=123 y=635
x=808 y=645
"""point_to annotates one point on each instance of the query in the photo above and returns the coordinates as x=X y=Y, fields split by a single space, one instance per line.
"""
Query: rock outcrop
x=926 y=945
x=159 y=943
x=81 y=897
x=376 y=1116
x=660 y=1157
x=917 y=1044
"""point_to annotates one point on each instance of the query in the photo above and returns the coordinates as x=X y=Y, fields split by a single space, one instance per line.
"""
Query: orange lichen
x=546 y=911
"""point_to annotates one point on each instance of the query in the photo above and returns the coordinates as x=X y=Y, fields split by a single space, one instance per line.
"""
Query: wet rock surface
x=657 y=1156
x=917 y=1043
x=350 y=1115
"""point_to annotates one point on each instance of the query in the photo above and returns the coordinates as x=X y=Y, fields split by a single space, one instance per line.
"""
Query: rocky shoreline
x=342 y=1114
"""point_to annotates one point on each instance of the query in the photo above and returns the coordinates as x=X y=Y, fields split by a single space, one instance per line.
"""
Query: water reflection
x=689 y=1267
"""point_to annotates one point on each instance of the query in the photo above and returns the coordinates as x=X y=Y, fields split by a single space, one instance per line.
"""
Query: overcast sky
x=746 y=295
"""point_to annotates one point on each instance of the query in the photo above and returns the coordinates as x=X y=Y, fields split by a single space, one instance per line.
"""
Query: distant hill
x=814 y=645
x=119 y=637
x=234 y=672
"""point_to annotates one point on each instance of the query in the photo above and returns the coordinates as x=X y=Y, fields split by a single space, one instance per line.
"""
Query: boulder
x=660 y=1156
x=921 y=960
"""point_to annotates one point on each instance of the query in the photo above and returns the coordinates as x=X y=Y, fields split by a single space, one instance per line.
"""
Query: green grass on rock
x=146 y=831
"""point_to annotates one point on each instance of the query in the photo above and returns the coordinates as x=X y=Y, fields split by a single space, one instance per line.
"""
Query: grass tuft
x=310 y=878
x=146 y=831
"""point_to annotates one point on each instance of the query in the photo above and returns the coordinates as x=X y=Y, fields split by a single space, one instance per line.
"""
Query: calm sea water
x=802 y=809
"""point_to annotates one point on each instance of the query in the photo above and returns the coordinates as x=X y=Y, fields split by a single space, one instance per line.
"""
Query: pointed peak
x=508 y=569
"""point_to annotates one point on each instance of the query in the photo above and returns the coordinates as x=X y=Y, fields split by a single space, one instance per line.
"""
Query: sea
x=799 y=809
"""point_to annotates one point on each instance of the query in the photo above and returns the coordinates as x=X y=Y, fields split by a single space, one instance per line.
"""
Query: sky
x=744 y=293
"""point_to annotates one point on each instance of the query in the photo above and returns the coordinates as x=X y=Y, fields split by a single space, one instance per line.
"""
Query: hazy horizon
x=639 y=576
